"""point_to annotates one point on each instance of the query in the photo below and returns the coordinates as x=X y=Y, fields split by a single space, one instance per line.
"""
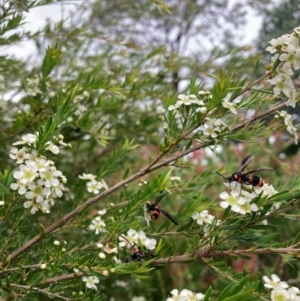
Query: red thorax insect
x=155 y=210
x=246 y=178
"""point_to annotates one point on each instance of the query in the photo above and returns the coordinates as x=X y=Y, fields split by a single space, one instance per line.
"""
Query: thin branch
x=191 y=257
x=121 y=184
x=61 y=278
x=40 y=291
x=200 y=255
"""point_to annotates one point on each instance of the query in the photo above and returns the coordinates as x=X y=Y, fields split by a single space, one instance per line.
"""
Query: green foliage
x=96 y=130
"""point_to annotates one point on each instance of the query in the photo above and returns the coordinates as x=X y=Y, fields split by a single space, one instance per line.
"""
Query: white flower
x=209 y=130
x=202 y=110
x=240 y=202
x=203 y=217
x=268 y=190
x=274 y=282
x=22 y=188
x=130 y=239
x=175 y=179
x=53 y=148
x=150 y=243
x=27 y=139
x=56 y=243
x=134 y=238
x=229 y=105
x=184 y=100
x=293 y=293
x=287 y=50
x=88 y=176
x=185 y=295
x=94 y=186
x=212 y=127
x=288 y=122
x=281 y=83
x=279 y=294
x=37 y=192
x=290 y=56
x=102 y=212
x=98 y=225
x=91 y=281
x=25 y=174
x=176 y=296
x=34 y=206
x=173 y=107
x=18 y=154
x=188 y=100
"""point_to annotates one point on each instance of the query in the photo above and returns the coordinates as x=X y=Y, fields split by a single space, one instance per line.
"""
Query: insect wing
x=158 y=199
x=169 y=216
x=244 y=164
x=255 y=170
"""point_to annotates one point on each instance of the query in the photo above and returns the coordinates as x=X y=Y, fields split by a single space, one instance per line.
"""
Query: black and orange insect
x=155 y=210
x=137 y=254
x=246 y=178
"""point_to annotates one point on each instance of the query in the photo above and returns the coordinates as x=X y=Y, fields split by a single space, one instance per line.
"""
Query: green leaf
x=226 y=213
x=51 y=59
x=296 y=239
x=293 y=217
x=207 y=294
x=158 y=247
x=4 y=188
x=232 y=289
x=126 y=173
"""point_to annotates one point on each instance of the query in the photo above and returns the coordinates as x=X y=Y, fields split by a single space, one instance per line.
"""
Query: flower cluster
x=37 y=178
x=97 y=224
x=191 y=100
x=203 y=217
x=136 y=238
x=32 y=86
x=281 y=290
x=287 y=118
x=93 y=186
x=185 y=295
x=286 y=49
x=213 y=127
x=240 y=199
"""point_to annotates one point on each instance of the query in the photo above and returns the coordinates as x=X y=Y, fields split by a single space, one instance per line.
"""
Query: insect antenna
x=259 y=169
x=131 y=244
x=159 y=198
x=222 y=176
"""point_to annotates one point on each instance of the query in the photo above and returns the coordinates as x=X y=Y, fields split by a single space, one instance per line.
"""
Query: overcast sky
x=36 y=18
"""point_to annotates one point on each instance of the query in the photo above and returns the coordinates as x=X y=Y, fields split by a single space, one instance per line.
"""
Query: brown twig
x=40 y=291
x=204 y=254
